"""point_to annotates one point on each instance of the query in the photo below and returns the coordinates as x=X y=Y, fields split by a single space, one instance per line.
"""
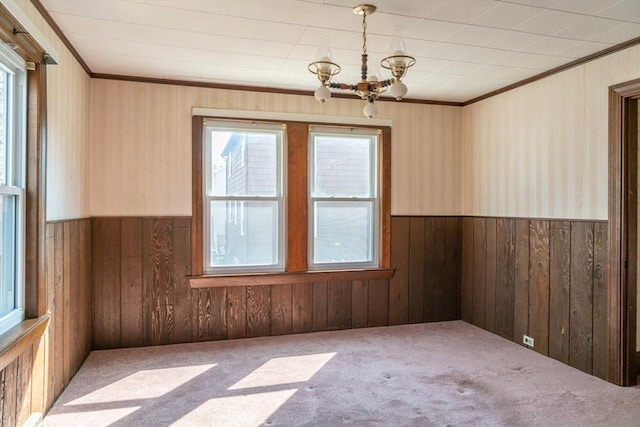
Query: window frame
x=239 y=202
x=15 y=176
x=374 y=145
x=296 y=165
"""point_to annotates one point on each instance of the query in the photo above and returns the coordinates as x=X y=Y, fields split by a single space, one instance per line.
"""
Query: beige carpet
x=438 y=374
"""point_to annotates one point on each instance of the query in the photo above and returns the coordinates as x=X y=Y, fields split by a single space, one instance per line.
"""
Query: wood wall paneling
x=581 y=297
x=140 y=287
x=479 y=271
x=404 y=295
x=550 y=284
x=467 y=263
x=453 y=264
x=435 y=267
x=505 y=277
x=413 y=264
x=539 y=285
x=600 y=301
x=559 y=287
x=521 y=290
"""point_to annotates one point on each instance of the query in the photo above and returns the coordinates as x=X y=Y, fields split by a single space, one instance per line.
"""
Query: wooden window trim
x=36 y=307
x=297 y=216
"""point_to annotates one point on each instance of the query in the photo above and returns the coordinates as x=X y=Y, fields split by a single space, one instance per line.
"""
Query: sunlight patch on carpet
x=246 y=410
x=284 y=370
x=143 y=384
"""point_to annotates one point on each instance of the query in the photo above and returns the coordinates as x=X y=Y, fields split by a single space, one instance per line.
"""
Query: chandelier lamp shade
x=369 y=88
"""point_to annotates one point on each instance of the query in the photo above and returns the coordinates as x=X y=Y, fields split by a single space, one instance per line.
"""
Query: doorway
x=623 y=232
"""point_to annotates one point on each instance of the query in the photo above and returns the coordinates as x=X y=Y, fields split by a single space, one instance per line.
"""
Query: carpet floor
x=436 y=374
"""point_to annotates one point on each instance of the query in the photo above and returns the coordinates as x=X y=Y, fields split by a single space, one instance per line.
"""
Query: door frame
x=623 y=209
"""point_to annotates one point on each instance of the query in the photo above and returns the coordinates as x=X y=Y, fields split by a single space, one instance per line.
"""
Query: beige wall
x=68 y=128
x=541 y=150
x=141 y=146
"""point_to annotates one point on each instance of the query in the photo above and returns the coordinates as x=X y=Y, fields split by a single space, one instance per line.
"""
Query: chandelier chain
x=364 y=33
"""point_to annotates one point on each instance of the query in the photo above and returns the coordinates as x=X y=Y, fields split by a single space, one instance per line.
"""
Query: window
x=12 y=145
x=289 y=202
x=243 y=198
x=343 y=204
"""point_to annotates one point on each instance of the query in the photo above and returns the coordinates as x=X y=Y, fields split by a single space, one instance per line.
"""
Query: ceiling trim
x=211 y=85
x=56 y=29
x=47 y=17
x=580 y=61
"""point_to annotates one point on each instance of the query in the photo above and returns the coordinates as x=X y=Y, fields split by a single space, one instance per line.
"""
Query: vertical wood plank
x=38 y=376
x=258 y=311
x=600 y=300
x=403 y=293
x=2 y=386
x=131 y=282
x=157 y=281
x=521 y=292
x=434 y=269
x=505 y=277
x=378 y=311
x=338 y=305
x=490 y=278
x=9 y=396
x=302 y=308
x=76 y=351
x=182 y=304
x=539 y=285
x=359 y=303
x=67 y=302
x=479 y=271
x=85 y=283
x=212 y=322
x=57 y=310
x=416 y=260
x=23 y=385
x=236 y=312
x=281 y=313
x=452 y=268
x=559 y=285
x=320 y=306
x=467 y=270
x=49 y=342
x=581 y=296
x=105 y=290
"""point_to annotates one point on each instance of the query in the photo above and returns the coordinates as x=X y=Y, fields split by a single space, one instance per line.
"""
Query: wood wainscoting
x=45 y=363
x=541 y=278
x=141 y=295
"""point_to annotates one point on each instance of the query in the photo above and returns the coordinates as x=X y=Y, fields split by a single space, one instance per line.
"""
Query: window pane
x=342 y=166
x=343 y=232
x=4 y=104
x=244 y=233
x=7 y=253
x=244 y=163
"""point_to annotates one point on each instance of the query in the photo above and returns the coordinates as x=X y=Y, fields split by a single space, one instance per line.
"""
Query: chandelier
x=370 y=87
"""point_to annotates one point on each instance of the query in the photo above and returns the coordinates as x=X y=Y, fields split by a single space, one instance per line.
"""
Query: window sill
x=17 y=339
x=229 y=280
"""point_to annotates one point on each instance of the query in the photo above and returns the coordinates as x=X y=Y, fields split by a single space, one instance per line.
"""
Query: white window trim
x=16 y=156
x=280 y=198
x=375 y=191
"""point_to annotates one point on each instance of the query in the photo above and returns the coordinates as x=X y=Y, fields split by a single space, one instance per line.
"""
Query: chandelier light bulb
x=322 y=94
x=370 y=110
x=398 y=90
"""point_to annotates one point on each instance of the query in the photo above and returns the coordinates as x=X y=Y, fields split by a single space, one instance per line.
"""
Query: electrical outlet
x=528 y=341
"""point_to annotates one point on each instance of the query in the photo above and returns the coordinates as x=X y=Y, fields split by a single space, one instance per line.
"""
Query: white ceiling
x=463 y=48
